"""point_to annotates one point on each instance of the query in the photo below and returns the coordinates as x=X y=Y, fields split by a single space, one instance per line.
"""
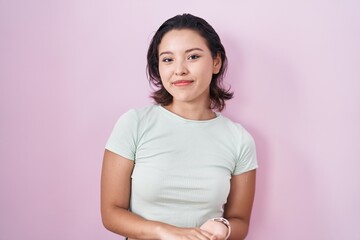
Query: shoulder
x=237 y=129
x=139 y=113
x=145 y=111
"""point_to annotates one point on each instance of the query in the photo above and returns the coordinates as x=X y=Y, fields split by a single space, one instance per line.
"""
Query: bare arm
x=115 y=200
x=239 y=204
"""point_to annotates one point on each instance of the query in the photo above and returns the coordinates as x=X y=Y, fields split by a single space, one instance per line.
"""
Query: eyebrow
x=187 y=51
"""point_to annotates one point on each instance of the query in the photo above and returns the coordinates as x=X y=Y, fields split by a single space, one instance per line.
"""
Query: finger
x=200 y=234
x=206 y=234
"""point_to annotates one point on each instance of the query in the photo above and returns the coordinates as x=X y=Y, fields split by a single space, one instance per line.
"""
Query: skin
x=184 y=55
x=186 y=67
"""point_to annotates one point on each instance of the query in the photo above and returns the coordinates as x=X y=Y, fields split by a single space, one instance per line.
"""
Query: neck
x=190 y=111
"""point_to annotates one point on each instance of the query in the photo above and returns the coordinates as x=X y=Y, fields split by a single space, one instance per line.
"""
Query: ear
x=217 y=64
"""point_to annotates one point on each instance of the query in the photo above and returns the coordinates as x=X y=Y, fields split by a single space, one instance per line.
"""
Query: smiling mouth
x=181 y=83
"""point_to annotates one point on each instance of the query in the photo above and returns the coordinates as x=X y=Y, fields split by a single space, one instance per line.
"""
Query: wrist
x=162 y=231
x=159 y=231
x=225 y=222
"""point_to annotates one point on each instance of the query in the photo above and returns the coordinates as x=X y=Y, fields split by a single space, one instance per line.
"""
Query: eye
x=193 y=57
x=166 y=60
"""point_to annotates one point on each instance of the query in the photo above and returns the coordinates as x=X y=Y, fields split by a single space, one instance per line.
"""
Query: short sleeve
x=123 y=137
x=247 y=159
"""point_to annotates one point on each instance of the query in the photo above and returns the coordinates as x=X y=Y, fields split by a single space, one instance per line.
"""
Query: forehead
x=181 y=40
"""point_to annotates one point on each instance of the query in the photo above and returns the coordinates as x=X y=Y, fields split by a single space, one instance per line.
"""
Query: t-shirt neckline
x=175 y=116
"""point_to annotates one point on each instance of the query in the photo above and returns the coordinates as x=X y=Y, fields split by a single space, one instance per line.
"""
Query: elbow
x=245 y=232
x=239 y=229
x=112 y=218
x=107 y=220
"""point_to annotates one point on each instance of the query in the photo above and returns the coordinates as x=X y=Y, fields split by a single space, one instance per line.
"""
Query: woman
x=179 y=169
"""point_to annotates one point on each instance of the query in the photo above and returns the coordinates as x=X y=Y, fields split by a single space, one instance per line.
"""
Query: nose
x=181 y=69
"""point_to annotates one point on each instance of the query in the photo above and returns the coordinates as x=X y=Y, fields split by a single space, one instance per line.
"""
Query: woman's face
x=186 y=66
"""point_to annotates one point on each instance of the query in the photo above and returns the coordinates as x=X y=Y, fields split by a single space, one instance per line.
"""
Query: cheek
x=206 y=66
x=206 y=71
x=164 y=73
x=165 y=78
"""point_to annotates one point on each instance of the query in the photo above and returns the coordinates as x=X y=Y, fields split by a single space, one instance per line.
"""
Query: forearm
x=239 y=229
x=126 y=223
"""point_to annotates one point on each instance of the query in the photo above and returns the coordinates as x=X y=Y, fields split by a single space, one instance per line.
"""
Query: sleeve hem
x=245 y=170
x=121 y=153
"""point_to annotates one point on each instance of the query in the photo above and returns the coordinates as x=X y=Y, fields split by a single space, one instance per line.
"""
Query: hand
x=217 y=229
x=175 y=233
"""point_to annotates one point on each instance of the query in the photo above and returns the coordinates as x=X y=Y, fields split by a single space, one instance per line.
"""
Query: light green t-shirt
x=182 y=167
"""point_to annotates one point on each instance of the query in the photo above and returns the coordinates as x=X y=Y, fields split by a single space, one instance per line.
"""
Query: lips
x=181 y=83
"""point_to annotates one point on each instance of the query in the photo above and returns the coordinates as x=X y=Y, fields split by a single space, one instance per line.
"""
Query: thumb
x=213 y=237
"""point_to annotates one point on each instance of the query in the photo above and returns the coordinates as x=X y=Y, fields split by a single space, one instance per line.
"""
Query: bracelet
x=225 y=222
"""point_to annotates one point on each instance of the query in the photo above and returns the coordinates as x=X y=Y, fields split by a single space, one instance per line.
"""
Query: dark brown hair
x=218 y=94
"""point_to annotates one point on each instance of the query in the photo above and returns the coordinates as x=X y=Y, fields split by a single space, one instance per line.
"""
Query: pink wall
x=68 y=69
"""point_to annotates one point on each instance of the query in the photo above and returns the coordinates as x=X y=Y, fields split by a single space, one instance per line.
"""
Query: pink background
x=69 y=68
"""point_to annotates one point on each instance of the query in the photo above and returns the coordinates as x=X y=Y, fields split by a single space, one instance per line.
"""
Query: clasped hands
x=218 y=230
x=210 y=230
